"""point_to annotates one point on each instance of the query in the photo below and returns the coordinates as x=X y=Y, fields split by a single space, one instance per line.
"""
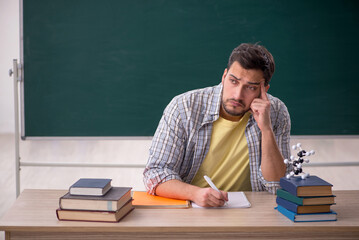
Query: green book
x=322 y=200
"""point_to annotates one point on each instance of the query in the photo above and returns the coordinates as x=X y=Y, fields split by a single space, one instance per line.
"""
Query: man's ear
x=267 y=87
x=224 y=75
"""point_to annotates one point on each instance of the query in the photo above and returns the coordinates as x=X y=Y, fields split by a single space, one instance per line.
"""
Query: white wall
x=9 y=50
x=328 y=150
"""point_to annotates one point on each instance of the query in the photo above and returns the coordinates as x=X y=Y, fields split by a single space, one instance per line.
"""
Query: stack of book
x=95 y=200
x=306 y=200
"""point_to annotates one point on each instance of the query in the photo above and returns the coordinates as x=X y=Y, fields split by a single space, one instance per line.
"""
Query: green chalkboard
x=107 y=68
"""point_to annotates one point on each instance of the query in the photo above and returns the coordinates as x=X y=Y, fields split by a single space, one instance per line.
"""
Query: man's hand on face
x=260 y=108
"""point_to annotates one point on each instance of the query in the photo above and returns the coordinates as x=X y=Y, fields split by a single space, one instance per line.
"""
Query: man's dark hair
x=253 y=56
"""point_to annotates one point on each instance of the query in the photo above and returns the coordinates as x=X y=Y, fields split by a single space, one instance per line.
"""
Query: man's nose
x=239 y=92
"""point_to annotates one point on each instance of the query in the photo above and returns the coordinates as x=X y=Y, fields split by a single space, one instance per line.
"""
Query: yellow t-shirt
x=227 y=161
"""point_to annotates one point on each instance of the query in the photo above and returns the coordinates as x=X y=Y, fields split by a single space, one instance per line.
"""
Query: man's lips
x=236 y=103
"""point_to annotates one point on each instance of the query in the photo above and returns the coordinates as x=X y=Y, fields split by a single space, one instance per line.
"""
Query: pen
x=209 y=181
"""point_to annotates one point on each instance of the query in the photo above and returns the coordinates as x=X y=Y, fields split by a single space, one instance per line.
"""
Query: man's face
x=240 y=87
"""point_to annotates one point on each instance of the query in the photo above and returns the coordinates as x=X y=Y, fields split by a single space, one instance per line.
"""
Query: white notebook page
x=235 y=200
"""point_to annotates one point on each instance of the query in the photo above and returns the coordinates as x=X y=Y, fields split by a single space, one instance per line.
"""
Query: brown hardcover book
x=94 y=216
x=111 y=201
x=314 y=209
x=319 y=201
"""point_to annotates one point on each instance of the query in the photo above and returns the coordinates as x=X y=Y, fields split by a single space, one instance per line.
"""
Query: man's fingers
x=263 y=92
x=215 y=202
x=216 y=199
x=225 y=195
x=218 y=195
x=257 y=104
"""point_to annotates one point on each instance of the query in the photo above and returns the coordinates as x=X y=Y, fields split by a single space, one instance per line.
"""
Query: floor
x=328 y=150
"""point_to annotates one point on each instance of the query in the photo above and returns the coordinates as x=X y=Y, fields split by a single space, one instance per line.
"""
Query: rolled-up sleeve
x=166 y=151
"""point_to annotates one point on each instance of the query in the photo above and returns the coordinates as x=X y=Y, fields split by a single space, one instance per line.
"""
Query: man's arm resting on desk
x=272 y=165
x=205 y=197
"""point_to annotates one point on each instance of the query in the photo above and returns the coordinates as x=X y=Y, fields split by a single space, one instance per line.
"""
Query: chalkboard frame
x=23 y=109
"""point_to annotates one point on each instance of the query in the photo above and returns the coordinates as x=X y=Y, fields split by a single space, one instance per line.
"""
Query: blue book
x=308 y=187
x=91 y=186
x=309 y=217
x=291 y=206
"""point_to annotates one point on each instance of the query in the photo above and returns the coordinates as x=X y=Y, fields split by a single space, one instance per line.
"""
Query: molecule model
x=298 y=162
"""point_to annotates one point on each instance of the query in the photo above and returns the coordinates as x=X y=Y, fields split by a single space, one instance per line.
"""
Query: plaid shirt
x=183 y=137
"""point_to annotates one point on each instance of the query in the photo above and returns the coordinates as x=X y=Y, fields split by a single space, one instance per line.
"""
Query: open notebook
x=235 y=200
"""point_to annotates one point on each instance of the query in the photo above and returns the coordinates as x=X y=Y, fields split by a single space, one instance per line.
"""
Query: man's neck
x=223 y=114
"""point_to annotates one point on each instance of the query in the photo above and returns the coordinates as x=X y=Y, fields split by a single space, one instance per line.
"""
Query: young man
x=235 y=133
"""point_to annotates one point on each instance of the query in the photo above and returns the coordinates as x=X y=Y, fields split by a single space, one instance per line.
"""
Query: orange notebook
x=145 y=200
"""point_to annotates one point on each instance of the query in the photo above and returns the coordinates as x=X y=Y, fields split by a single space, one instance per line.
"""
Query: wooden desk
x=33 y=217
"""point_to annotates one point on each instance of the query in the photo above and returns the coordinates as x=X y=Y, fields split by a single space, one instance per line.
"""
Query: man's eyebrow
x=234 y=77
x=254 y=83
x=251 y=83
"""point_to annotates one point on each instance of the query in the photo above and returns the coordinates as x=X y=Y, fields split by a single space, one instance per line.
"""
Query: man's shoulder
x=278 y=109
x=202 y=96
x=201 y=92
x=196 y=104
x=275 y=102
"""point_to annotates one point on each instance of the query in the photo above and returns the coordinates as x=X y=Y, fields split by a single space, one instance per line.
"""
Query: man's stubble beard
x=233 y=113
